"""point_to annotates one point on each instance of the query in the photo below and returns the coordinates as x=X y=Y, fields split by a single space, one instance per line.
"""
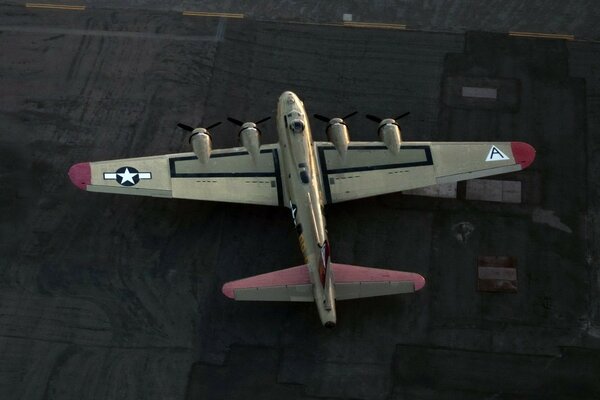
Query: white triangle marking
x=496 y=155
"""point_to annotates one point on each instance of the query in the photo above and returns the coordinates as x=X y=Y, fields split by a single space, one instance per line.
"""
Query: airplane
x=305 y=175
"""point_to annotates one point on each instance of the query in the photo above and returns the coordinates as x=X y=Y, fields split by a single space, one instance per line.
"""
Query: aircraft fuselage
x=302 y=182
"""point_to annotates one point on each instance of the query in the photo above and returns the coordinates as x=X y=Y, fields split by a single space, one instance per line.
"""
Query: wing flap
x=249 y=190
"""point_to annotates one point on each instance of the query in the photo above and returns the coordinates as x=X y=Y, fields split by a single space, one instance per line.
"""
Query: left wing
x=370 y=169
x=230 y=175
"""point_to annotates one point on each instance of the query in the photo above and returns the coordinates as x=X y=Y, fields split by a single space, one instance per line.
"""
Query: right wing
x=370 y=169
x=230 y=175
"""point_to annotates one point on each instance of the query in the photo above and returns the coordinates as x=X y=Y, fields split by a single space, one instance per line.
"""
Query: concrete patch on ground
x=494 y=190
x=547 y=217
x=444 y=190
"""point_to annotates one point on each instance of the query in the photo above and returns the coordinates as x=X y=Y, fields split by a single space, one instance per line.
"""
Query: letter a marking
x=496 y=155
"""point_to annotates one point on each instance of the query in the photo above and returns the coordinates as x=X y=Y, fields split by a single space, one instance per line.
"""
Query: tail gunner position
x=305 y=175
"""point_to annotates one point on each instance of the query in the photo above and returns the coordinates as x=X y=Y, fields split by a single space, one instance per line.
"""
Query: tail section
x=352 y=282
x=291 y=284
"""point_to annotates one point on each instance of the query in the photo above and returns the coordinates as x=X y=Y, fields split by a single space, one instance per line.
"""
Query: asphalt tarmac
x=105 y=296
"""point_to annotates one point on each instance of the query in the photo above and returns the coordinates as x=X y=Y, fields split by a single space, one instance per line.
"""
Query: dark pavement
x=104 y=296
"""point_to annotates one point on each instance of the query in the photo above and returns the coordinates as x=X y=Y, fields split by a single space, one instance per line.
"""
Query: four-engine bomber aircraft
x=305 y=175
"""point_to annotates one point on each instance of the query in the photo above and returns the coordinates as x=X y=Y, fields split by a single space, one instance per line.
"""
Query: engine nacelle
x=250 y=138
x=337 y=133
x=201 y=144
x=389 y=132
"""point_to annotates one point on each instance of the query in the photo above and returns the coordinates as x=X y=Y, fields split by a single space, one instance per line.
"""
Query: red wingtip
x=81 y=175
x=523 y=153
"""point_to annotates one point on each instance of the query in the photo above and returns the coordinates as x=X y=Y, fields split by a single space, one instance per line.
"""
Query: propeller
x=185 y=127
x=240 y=123
x=378 y=120
x=327 y=119
x=190 y=129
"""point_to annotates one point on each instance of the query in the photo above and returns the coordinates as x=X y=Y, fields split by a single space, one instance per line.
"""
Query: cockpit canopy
x=297 y=126
x=295 y=121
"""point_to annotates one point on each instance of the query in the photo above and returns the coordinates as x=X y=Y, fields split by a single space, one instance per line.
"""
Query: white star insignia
x=127 y=176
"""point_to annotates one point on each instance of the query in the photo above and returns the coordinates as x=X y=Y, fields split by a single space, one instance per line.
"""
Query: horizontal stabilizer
x=350 y=281
x=353 y=282
x=291 y=284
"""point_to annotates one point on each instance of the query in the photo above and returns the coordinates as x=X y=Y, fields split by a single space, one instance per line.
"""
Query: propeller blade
x=185 y=127
x=213 y=125
x=373 y=118
x=262 y=120
x=350 y=115
x=321 y=118
x=401 y=116
x=235 y=121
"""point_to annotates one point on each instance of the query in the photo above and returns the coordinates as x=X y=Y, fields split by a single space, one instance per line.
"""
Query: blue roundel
x=128 y=176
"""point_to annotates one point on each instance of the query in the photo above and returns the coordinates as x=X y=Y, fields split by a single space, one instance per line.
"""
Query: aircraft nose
x=81 y=175
x=288 y=95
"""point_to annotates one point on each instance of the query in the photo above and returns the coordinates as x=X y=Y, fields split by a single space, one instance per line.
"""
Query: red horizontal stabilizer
x=344 y=273
x=283 y=278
